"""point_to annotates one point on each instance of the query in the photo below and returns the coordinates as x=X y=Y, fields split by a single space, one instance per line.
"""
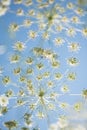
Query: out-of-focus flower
x=84 y=32
x=62 y=123
x=78 y=106
x=3 y=10
x=4 y=6
x=6 y=2
x=84 y=93
x=11 y=124
x=18 y=1
x=4 y=101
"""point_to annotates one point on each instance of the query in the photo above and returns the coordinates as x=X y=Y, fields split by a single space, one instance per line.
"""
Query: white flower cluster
x=4 y=6
x=3 y=100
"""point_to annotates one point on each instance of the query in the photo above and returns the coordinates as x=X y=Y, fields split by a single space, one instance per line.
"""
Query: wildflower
x=32 y=34
x=75 y=19
x=27 y=116
x=18 y=1
x=59 y=28
x=58 y=75
x=40 y=115
x=14 y=58
x=63 y=105
x=84 y=32
x=65 y=88
x=9 y=93
x=3 y=110
x=6 y=2
x=32 y=106
x=20 y=12
x=59 y=41
x=50 y=84
x=74 y=47
x=28 y=2
x=41 y=27
x=11 y=124
x=70 y=5
x=53 y=95
x=73 y=61
x=19 y=46
x=55 y=64
x=29 y=60
x=13 y=27
x=22 y=78
x=40 y=66
x=6 y=80
x=4 y=101
x=78 y=106
x=71 y=76
x=29 y=71
x=31 y=12
x=84 y=93
x=45 y=35
x=46 y=74
x=21 y=92
x=38 y=51
x=71 y=32
x=51 y=106
x=51 y=1
x=64 y=19
x=27 y=23
x=79 y=11
x=17 y=70
x=20 y=102
x=3 y=9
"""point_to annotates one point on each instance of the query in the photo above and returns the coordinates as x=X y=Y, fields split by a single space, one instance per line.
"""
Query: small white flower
x=3 y=100
x=74 y=47
x=71 y=32
x=6 y=2
x=40 y=115
x=65 y=88
x=59 y=41
x=19 y=46
x=3 y=9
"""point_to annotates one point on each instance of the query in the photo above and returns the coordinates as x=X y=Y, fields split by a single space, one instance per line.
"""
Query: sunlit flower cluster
x=41 y=62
